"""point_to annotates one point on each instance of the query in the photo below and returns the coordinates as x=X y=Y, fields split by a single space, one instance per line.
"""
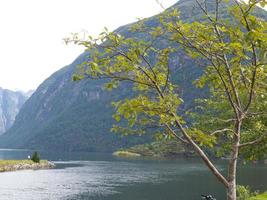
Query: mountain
x=76 y=116
x=28 y=93
x=10 y=104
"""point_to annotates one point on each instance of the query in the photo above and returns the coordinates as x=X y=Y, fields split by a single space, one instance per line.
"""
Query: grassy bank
x=14 y=165
x=123 y=153
x=159 y=149
x=262 y=196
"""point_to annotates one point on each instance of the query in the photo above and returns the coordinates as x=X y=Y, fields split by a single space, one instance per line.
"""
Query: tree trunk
x=231 y=189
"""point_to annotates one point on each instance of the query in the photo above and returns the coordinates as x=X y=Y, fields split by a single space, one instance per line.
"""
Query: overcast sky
x=31 y=45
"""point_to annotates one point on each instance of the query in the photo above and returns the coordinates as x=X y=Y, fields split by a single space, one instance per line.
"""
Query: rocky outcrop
x=25 y=165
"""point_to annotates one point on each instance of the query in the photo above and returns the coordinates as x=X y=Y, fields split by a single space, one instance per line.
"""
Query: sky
x=32 y=32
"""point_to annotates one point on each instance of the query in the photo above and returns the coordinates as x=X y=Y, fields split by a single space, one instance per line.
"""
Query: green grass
x=12 y=163
x=125 y=154
x=16 y=162
x=159 y=149
x=259 y=197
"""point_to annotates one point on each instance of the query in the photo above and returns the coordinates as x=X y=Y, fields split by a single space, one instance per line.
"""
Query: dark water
x=103 y=177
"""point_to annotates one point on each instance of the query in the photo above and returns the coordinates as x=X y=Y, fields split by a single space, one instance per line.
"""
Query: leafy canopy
x=231 y=51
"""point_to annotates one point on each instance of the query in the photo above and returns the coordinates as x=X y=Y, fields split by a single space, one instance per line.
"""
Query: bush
x=244 y=192
x=35 y=157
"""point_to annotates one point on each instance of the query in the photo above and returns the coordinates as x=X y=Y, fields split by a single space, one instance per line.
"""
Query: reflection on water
x=103 y=177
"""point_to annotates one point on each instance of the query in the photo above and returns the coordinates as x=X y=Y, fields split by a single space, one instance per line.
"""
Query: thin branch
x=221 y=131
x=255 y=114
x=118 y=78
x=150 y=66
x=197 y=148
x=167 y=78
x=175 y=135
x=254 y=54
x=201 y=153
x=207 y=56
x=259 y=140
x=228 y=93
x=225 y=59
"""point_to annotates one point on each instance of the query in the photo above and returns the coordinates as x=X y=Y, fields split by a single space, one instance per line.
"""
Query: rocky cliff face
x=10 y=104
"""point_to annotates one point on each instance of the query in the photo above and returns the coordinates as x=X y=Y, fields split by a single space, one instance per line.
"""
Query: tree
x=35 y=157
x=232 y=52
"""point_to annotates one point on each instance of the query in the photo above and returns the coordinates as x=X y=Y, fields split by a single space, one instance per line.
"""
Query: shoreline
x=16 y=165
x=156 y=149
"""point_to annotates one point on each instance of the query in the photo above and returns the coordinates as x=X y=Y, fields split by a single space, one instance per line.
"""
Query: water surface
x=87 y=176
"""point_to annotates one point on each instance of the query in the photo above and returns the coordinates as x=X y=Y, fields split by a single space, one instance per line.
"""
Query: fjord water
x=88 y=176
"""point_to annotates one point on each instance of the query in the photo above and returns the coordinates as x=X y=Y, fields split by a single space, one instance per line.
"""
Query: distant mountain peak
x=10 y=104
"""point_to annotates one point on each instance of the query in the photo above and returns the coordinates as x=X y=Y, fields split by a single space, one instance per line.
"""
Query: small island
x=124 y=153
x=157 y=149
x=15 y=165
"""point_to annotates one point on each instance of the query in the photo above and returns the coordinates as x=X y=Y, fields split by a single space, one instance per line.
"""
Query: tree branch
x=175 y=135
x=221 y=131
x=259 y=140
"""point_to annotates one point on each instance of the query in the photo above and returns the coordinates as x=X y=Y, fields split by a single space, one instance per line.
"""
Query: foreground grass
x=259 y=197
x=14 y=165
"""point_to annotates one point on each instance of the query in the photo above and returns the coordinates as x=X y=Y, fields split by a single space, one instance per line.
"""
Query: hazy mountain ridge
x=10 y=104
x=76 y=116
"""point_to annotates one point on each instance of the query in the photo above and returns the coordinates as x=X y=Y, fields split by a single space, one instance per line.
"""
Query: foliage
x=233 y=53
x=262 y=196
x=161 y=149
x=244 y=193
x=35 y=157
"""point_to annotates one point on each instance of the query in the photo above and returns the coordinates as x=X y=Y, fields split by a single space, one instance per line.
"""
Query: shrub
x=244 y=192
x=35 y=157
